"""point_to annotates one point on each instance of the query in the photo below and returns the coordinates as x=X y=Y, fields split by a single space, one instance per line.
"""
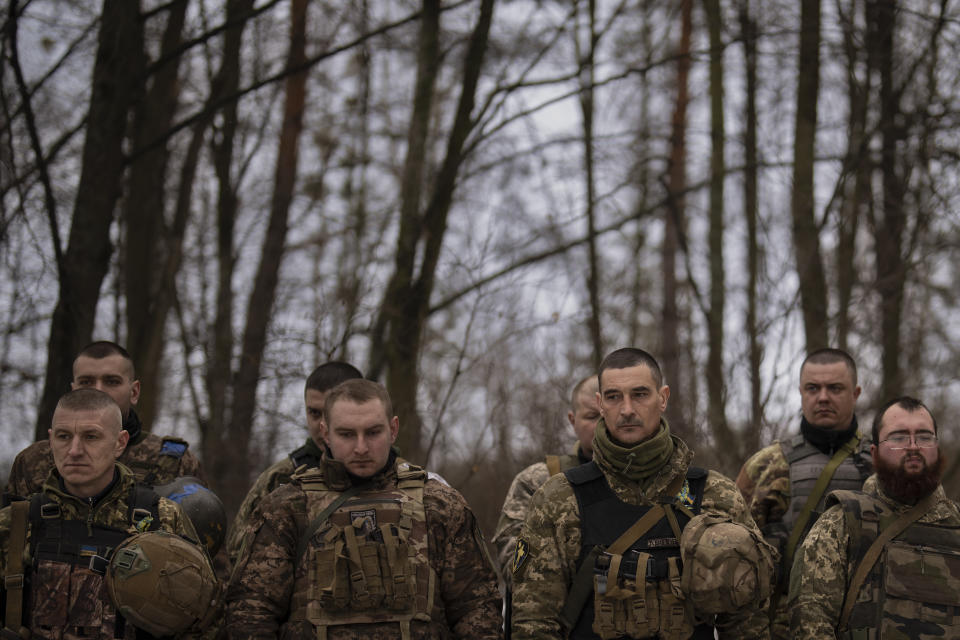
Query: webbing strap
x=13 y=581
x=553 y=465
x=322 y=517
x=814 y=498
x=916 y=512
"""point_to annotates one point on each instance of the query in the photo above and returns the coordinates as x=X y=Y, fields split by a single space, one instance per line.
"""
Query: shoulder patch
x=520 y=556
x=174 y=448
x=684 y=497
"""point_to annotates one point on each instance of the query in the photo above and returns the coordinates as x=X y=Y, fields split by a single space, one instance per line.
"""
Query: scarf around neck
x=637 y=462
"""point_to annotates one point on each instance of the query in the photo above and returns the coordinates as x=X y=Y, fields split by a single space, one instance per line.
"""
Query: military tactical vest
x=913 y=590
x=367 y=562
x=806 y=463
x=67 y=590
x=304 y=456
x=636 y=594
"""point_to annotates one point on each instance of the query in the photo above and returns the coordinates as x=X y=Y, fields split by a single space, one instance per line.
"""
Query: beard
x=908 y=486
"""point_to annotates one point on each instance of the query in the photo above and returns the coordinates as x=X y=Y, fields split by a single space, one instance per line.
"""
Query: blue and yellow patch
x=520 y=555
x=684 y=498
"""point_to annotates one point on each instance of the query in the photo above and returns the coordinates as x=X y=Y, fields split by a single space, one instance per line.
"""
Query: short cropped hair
x=575 y=394
x=330 y=374
x=830 y=356
x=87 y=399
x=908 y=404
x=358 y=391
x=631 y=357
x=104 y=349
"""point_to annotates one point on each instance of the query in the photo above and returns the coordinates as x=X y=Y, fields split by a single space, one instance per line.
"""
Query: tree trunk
x=143 y=216
x=716 y=390
x=116 y=73
x=674 y=221
x=748 y=30
x=407 y=302
x=813 y=286
x=260 y=305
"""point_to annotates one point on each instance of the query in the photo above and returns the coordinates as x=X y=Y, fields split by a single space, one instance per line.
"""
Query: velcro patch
x=173 y=448
x=684 y=496
x=520 y=555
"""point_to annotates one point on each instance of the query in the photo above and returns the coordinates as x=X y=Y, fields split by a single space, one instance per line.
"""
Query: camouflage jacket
x=764 y=481
x=552 y=533
x=275 y=475
x=514 y=511
x=267 y=577
x=74 y=612
x=822 y=569
x=150 y=458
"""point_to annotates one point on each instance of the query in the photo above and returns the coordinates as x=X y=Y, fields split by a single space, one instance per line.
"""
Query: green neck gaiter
x=635 y=462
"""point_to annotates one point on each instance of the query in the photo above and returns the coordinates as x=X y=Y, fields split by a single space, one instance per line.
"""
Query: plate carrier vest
x=367 y=562
x=914 y=587
x=625 y=607
x=60 y=547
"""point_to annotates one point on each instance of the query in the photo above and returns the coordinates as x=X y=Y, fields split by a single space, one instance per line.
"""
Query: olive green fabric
x=637 y=462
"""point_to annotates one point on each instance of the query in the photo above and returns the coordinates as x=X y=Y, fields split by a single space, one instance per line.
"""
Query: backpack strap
x=553 y=465
x=144 y=508
x=13 y=581
x=873 y=553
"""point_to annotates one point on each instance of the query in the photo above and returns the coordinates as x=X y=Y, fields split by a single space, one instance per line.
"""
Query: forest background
x=473 y=201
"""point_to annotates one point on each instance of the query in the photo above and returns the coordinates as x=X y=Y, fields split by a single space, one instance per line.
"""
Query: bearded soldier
x=319 y=383
x=88 y=507
x=638 y=543
x=155 y=460
x=583 y=416
x=363 y=546
x=786 y=484
x=884 y=562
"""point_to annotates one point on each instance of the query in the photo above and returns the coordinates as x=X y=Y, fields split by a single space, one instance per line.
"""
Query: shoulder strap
x=14 y=580
x=144 y=503
x=583 y=473
x=814 y=498
x=553 y=465
x=873 y=553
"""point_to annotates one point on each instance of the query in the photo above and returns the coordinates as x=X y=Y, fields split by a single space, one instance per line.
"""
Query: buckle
x=98 y=564
x=50 y=510
x=139 y=514
x=13 y=581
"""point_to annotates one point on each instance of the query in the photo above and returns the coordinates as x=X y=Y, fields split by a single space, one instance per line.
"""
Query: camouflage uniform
x=823 y=568
x=70 y=601
x=553 y=535
x=270 y=589
x=153 y=460
x=764 y=481
x=515 y=505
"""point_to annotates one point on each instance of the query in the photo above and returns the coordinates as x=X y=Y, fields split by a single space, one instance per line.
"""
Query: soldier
x=89 y=505
x=884 y=563
x=583 y=416
x=323 y=378
x=108 y=367
x=599 y=555
x=365 y=545
x=785 y=484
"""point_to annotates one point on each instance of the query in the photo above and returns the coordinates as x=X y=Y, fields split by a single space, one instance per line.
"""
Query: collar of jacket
x=827 y=440
x=123 y=481
x=134 y=427
x=339 y=479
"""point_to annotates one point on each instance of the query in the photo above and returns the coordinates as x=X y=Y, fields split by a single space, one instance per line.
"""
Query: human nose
x=626 y=408
x=76 y=447
x=362 y=445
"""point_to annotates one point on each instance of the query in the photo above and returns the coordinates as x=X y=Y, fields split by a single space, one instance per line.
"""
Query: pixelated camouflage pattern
x=822 y=570
x=514 y=511
x=265 y=581
x=275 y=475
x=33 y=464
x=552 y=533
x=71 y=602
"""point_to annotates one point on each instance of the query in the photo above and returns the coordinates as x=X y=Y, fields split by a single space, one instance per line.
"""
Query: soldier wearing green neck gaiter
x=638 y=462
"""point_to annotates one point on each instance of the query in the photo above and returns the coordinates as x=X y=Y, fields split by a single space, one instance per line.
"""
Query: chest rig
x=912 y=588
x=635 y=590
x=367 y=559
x=65 y=589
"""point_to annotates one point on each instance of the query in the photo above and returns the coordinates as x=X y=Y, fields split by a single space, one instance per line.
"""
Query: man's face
x=112 y=375
x=85 y=445
x=912 y=459
x=631 y=404
x=314 y=401
x=828 y=395
x=584 y=418
x=360 y=435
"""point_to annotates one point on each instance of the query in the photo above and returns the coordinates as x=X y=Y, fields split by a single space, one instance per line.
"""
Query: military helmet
x=162 y=583
x=726 y=565
x=202 y=506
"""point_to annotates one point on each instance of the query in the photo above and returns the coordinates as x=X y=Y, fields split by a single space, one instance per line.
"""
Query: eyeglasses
x=902 y=441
